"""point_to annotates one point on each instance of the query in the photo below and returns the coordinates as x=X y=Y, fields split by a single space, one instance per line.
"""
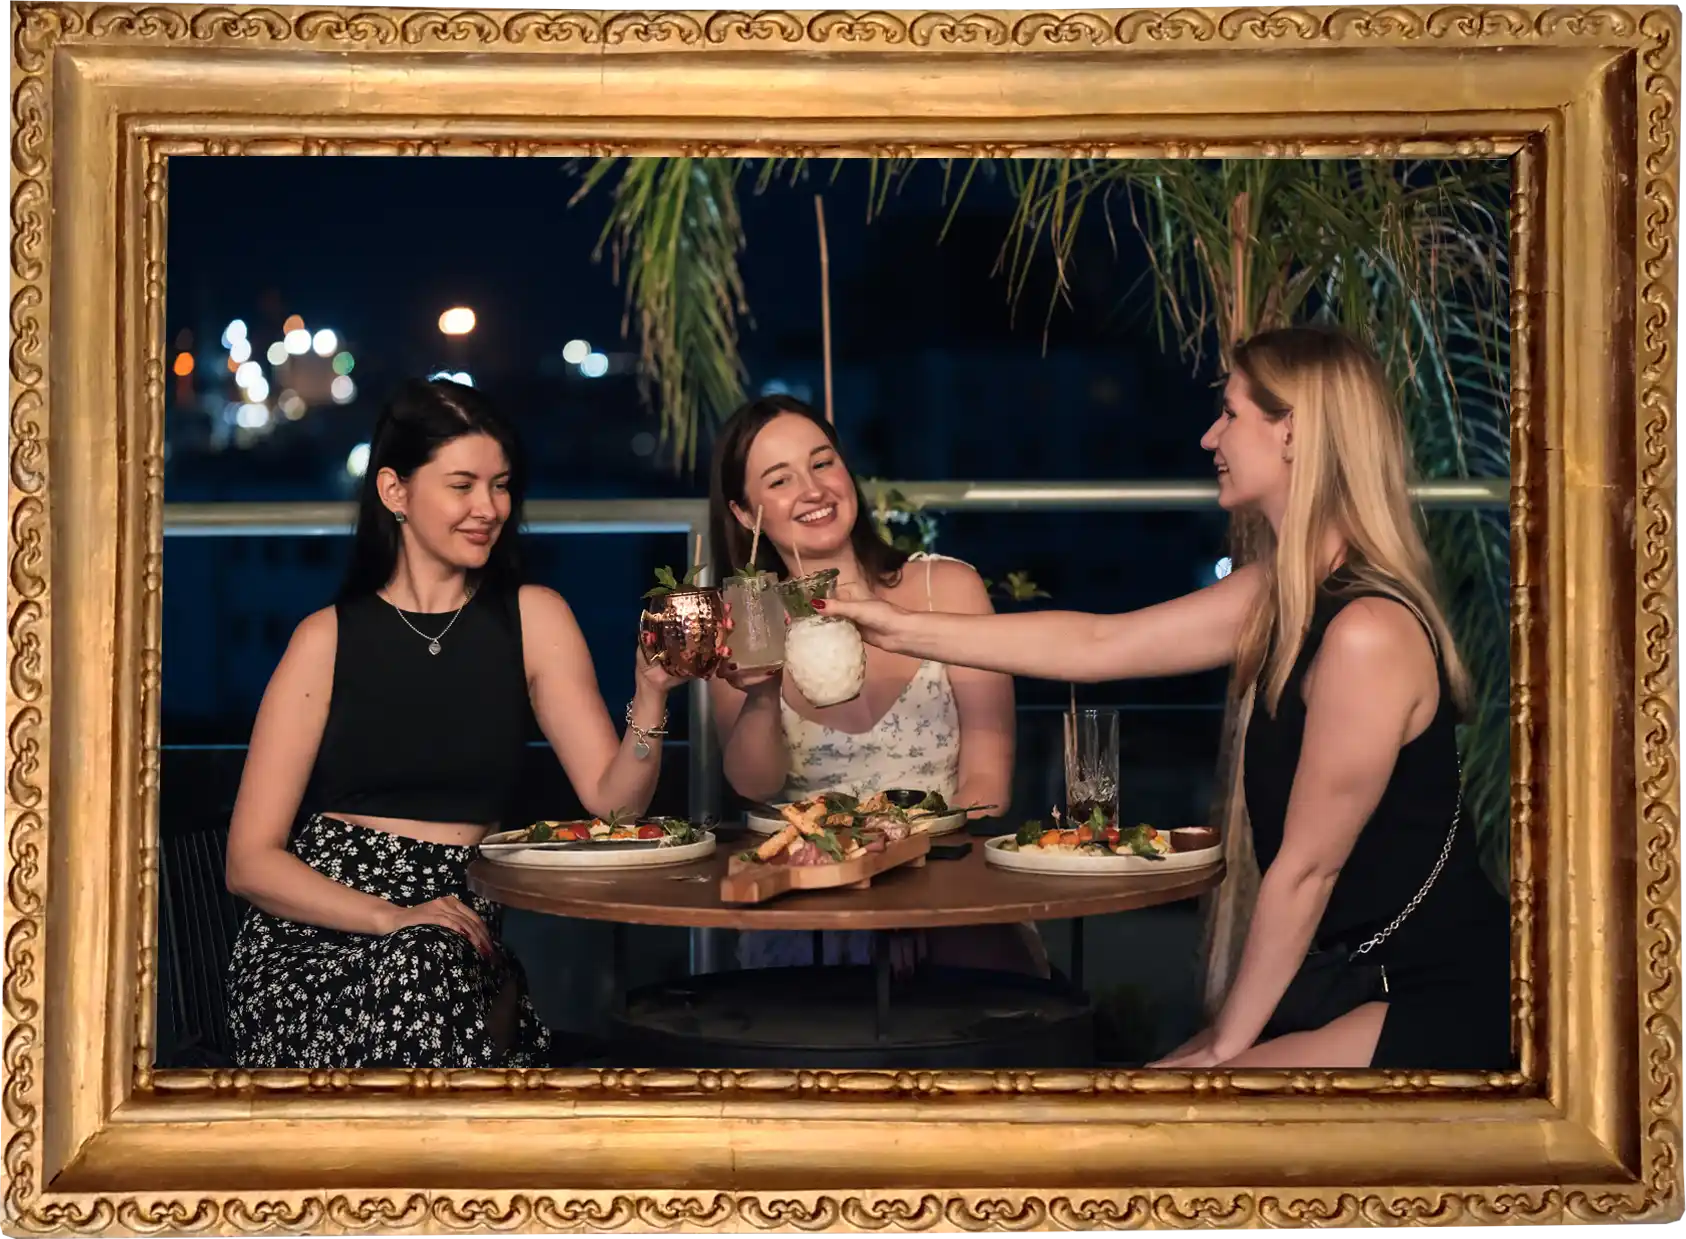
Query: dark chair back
x=197 y=922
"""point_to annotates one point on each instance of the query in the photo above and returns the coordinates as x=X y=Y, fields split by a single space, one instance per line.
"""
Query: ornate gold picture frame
x=1586 y=104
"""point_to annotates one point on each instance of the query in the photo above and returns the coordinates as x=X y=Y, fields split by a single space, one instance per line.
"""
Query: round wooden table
x=943 y=893
x=848 y=1012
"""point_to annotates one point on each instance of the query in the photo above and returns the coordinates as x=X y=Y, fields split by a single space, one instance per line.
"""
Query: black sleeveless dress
x=1448 y=964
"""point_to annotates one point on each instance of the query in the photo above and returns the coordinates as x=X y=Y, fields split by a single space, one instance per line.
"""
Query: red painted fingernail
x=731 y=666
x=819 y=604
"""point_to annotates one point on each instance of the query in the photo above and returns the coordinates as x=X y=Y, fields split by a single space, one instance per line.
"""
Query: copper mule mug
x=682 y=631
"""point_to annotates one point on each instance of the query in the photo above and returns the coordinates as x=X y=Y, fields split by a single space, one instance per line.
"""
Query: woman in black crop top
x=1374 y=938
x=399 y=715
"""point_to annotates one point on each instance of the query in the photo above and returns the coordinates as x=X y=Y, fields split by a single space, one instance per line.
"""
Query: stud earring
x=399 y=517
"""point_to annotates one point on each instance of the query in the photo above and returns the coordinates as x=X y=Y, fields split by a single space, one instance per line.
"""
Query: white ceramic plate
x=1036 y=860
x=945 y=824
x=506 y=849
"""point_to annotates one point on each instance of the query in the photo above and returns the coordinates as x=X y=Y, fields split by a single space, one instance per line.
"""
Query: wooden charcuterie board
x=753 y=881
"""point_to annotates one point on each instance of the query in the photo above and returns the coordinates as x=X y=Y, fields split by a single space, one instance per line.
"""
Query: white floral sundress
x=915 y=744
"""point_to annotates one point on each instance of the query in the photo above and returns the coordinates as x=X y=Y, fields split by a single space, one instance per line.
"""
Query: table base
x=835 y=1018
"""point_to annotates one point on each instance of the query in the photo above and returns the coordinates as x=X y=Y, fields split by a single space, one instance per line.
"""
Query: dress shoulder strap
x=929 y=558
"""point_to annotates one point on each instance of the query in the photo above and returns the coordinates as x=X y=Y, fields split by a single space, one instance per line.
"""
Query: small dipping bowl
x=904 y=797
x=1194 y=838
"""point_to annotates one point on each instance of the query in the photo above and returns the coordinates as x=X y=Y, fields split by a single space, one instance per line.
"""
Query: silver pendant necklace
x=432 y=642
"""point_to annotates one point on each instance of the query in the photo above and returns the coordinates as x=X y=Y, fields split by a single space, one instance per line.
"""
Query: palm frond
x=675 y=233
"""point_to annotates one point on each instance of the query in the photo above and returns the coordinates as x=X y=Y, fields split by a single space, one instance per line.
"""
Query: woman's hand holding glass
x=881 y=623
x=652 y=672
x=747 y=679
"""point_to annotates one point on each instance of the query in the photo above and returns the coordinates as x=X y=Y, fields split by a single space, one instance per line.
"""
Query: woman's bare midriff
x=452 y=834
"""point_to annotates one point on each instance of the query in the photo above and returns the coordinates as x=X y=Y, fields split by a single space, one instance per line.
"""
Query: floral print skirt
x=303 y=996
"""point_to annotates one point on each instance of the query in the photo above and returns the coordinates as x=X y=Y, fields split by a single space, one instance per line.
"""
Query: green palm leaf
x=676 y=235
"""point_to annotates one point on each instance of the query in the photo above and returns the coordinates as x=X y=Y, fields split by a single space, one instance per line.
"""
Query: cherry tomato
x=650 y=832
x=1112 y=836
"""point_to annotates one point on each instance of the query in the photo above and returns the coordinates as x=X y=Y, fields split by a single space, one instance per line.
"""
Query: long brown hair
x=1351 y=473
x=728 y=538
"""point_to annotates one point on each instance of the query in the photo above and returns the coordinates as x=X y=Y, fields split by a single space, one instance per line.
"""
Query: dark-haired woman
x=917 y=723
x=403 y=711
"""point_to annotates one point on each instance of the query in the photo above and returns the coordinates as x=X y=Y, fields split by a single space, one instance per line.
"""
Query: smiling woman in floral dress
x=402 y=713
x=916 y=724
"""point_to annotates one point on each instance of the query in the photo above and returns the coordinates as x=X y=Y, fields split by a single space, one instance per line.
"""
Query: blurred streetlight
x=457 y=321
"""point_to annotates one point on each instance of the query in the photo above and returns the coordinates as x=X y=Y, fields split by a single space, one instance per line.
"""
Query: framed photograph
x=1577 y=107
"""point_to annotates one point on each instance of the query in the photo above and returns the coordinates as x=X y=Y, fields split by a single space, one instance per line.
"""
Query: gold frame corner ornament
x=1584 y=100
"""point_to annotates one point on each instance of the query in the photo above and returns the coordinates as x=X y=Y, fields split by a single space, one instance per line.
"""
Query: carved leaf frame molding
x=1585 y=103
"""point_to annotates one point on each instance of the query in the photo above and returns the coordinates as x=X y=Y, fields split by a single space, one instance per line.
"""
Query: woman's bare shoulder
x=1376 y=638
x=955 y=584
x=542 y=605
x=317 y=633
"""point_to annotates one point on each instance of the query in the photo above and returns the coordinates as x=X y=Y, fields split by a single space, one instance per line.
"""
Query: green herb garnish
x=799 y=594
x=1028 y=834
x=667 y=583
x=1135 y=839
x=676 y=829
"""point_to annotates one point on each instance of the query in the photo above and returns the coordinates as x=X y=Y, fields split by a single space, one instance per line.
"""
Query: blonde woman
x=1349 y=787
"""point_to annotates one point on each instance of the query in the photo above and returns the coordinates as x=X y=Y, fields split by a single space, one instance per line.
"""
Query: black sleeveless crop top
x=1398 y=846
x=428 y=737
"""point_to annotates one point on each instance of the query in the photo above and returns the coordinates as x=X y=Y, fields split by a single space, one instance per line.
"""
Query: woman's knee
x=1345 y=1043
x=426 y=948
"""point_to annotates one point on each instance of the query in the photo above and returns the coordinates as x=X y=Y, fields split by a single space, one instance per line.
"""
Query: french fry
x=778 y=843
x=805 y=815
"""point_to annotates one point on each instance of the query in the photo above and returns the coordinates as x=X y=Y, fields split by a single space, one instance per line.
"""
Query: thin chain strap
x=1440 y=864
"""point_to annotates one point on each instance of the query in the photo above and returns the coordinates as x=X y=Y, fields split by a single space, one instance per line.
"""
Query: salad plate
x=600 y=843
